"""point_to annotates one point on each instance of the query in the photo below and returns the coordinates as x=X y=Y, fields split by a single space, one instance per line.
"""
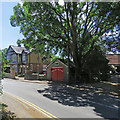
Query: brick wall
x=34 y=58
x=36 y=68
x=113 y=59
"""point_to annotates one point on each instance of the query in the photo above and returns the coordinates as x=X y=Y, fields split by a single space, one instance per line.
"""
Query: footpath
x=20 y=109
x=30 y=81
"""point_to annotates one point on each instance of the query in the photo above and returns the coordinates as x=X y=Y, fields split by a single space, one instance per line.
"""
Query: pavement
x=30 y=81
x=20 y=108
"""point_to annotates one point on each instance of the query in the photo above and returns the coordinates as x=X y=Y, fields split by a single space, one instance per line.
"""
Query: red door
x=57 y=74
x=60 y=74
x=54 y=74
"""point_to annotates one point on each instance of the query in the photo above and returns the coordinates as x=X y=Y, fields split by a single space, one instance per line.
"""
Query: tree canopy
x=74 y=26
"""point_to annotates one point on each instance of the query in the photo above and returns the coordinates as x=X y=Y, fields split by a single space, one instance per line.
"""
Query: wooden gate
x=57 y=74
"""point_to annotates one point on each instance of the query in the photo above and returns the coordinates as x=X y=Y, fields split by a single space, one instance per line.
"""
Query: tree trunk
x=78 y=70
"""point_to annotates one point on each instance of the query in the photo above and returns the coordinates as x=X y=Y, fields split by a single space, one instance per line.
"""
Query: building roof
x=114 y=59
x=19 y=50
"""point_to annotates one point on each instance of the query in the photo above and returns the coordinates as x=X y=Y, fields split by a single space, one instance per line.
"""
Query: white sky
x=0 y=25
x=61 y=2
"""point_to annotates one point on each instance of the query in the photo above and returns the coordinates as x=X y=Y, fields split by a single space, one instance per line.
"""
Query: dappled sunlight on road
x=93 y=95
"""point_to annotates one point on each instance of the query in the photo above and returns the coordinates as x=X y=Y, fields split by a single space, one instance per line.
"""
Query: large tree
x=77 y=27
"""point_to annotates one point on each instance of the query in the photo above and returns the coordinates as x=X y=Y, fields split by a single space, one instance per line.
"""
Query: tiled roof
x=19 y=50
x=114 y=59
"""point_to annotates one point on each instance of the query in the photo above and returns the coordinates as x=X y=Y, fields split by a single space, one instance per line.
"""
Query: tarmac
x=19 y=108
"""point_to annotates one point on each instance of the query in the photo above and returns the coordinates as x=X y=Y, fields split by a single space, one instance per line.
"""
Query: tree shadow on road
x=82 y=96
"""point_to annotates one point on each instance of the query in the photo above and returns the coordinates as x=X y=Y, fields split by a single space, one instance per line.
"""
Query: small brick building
x=114 y=59
x=57 y=71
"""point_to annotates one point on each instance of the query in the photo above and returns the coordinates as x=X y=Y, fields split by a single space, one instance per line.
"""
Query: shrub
x=96 y=66
x=20 y=75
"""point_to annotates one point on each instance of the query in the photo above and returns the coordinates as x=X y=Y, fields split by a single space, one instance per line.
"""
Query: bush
x=20 y=75
x=96 y=67
x=6 y=115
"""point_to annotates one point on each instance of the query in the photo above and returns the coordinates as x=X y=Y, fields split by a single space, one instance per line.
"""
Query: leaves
x=80 y=26
x=3 y=60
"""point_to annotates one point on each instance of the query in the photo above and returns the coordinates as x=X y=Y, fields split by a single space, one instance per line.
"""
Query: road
x=39 y=94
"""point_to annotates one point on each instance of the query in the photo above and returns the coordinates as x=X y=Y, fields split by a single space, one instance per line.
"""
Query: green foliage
x=0 y=65
x=3 y=61
x=54 y=57
x=20 y=75
x=6 y=115
x=19 y=43
x=50 y=28
x=96 y=67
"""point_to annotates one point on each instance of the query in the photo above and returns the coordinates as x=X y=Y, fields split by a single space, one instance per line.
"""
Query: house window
x=15 y=66
x=24 y=58
x=14 y=58
x=19 y=58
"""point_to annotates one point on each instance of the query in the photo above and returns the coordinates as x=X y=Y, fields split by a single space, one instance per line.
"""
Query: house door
x=57 y=74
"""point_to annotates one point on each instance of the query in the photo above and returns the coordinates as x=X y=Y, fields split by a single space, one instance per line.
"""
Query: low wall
x=8 y=75
x=30 y=77
x=33 y=76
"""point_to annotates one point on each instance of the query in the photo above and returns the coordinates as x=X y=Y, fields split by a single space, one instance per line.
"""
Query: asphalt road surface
x=62 y=103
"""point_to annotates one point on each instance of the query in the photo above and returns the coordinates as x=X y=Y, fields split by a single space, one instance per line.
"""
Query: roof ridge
x=17 y=46
x=18 y=49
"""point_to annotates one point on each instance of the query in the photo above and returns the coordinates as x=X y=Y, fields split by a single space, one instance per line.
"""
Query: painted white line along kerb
x=49 y=115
